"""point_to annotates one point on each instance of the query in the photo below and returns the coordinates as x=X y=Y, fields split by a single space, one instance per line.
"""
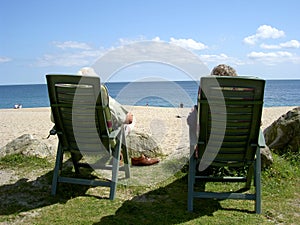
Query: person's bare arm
x=129 y=118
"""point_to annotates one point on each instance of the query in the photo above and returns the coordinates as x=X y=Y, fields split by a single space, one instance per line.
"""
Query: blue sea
x=162 y=94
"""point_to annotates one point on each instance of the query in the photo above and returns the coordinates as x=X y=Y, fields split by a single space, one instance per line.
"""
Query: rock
x=266 y=157
x=284 y=133
x=141 y=143
x=26 y=145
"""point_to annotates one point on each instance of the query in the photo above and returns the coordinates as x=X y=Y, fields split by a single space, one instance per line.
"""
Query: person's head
x=223 y=70
x=87 y=71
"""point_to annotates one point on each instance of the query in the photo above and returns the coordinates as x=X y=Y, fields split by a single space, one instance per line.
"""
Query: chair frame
x=62 y=102
x=254 y=140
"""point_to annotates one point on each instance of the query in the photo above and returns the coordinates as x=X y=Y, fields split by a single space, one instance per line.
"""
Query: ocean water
x=29 y=96
x=162 y=94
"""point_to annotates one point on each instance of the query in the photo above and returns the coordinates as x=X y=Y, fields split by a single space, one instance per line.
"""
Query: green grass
x=28 y=201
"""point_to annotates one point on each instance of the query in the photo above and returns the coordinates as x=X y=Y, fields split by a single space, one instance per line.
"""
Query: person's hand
x=129 y=118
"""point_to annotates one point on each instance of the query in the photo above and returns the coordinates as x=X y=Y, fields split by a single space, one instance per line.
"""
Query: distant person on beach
x=17 y=106
x=220 y=70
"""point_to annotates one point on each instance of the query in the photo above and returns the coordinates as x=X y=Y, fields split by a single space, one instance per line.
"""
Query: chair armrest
x=115 y=133
x=261 y=139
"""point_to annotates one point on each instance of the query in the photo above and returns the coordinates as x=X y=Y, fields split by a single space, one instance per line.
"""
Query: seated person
x=220 y=70
x=118 y=113
x=119 y=117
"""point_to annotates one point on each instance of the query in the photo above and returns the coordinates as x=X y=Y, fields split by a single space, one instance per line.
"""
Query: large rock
x=266 y=157
x=141 y=143
x=26 y=145
x=284 y=133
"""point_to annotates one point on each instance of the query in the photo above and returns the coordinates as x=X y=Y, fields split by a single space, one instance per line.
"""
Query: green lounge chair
x=229 y=117
x=80 y=110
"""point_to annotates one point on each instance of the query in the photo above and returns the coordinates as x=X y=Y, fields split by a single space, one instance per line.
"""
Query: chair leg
x=191 y=179
x=125 y=156
x=57 y=167
x=258 y=182
x=115 y=170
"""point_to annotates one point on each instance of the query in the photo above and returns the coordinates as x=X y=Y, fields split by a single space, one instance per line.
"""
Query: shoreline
x=45 y=107
x=167 y=125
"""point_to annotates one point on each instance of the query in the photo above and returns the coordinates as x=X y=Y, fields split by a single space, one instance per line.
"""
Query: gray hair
x=223 y=70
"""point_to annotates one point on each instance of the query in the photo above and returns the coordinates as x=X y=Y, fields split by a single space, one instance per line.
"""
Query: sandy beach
x=166 y=125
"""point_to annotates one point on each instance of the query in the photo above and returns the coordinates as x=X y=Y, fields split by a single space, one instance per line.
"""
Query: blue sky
x=260 y=38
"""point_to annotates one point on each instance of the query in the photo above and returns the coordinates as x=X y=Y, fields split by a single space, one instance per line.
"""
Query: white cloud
x=127 y=41
x=150 y=51
x=74 y=54
x=69 y=59
x=72 y=45
x=272 y=58
x=266 y=46
x=188 y=44
x=4 y=59
x=258 y=55
x=288 y=44
x=291 y=44
x=65 y=60
x=221 y=58
x=264 y=32
x=214 y=58
x=156 y=39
